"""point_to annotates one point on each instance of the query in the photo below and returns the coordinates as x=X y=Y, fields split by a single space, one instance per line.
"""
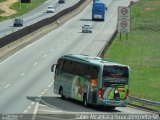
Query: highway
x=25 y=77
x=6 y=27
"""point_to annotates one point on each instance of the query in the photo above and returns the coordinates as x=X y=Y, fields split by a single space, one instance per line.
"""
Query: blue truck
x=98 y=10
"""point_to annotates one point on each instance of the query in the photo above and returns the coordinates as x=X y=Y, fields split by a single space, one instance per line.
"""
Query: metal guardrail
x=144 y=101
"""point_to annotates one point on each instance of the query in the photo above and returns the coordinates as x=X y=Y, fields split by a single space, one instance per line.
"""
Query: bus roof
x=98 y=1
x=91 y=59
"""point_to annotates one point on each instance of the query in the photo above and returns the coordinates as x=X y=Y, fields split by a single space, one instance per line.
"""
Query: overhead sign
x=123 y=19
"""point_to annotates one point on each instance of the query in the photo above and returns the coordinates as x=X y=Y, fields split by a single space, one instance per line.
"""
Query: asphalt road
x=25 y=77
x=6 y=27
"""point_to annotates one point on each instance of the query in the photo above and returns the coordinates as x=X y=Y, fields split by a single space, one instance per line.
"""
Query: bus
x=91 y=80
x=98 y=10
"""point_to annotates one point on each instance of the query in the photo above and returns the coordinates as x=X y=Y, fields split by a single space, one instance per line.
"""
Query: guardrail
x=29 y=29
x=144 y=101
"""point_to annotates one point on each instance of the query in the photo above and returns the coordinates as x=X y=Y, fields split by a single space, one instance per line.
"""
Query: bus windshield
x=99 y=8
x=115 y=75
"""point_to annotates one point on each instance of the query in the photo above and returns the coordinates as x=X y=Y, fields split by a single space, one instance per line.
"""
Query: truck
x=98 y=10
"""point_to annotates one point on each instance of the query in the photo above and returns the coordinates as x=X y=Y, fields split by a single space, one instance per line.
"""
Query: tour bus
x=98 y=10
x=91 y=80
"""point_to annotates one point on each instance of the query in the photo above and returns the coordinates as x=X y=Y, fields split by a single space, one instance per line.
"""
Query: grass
x=23 y=8
x=2 y=1
x=142 y=50
x=1 y=11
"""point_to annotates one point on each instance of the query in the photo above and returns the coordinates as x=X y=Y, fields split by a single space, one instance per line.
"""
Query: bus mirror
x=52 y=68
x=106 y=8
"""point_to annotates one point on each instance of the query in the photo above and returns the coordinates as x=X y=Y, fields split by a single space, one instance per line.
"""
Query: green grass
x=2 y=1
x=1 y=11
x=142 y=50
x=23 y=8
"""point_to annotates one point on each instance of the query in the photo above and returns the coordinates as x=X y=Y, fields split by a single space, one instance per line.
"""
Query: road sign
x=124 y=13
x=123 y=26
x=123 y=19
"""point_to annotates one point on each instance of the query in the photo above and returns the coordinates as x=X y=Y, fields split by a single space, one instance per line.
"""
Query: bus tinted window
x=115 y=71
x=80 y=69
x=115 y=75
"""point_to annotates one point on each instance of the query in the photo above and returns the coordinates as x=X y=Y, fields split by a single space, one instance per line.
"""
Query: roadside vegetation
x=142 y=50
x=2 y=1
x=1 y=11
x=22 y=8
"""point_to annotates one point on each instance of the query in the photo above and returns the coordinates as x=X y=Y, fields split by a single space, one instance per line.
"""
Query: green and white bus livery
x=91 y=80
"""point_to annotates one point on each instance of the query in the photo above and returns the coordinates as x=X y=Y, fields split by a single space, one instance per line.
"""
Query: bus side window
x=92 y=71
x=67 y=66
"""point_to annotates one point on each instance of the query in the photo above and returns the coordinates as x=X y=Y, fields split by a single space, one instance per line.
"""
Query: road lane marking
x=7 y=86
x=35 y=64
x=22 y=74
x=39 y=95
x=50 y=110
x=36 y=108
x=46 y=118
x=29 y=107
x=45 y=55
x=42 y=105
x=32 y=103
x=42 y=93
x=25 y=111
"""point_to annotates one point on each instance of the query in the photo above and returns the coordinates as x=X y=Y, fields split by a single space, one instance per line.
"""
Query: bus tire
x=85 y=100
x=61 y=93
x=111 y=107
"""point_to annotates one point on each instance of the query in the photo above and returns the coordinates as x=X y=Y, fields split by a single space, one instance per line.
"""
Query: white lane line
x=39 y=95
x=47 y=118
x=42 y=105
x=22 y=74
x=7 y=86
x=32 y=103
x=64 y=40
x=50 y=110
x=49 y=86
x=45 y=55
x=42 y=93
x=36 y=109
x=29 y=107
x=25 y=111
x=35 y=64
x=45 y=89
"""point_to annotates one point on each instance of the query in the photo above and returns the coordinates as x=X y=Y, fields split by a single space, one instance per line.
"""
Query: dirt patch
x=5 y=6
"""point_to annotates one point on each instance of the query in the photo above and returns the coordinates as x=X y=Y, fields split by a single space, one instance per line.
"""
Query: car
x=87 y=28
x=18 y=22
x=50 y=9
x=61 y=1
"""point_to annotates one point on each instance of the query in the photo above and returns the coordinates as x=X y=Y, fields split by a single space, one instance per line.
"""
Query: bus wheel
x=111 y=107
x=61 y=93
x=85 y=100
